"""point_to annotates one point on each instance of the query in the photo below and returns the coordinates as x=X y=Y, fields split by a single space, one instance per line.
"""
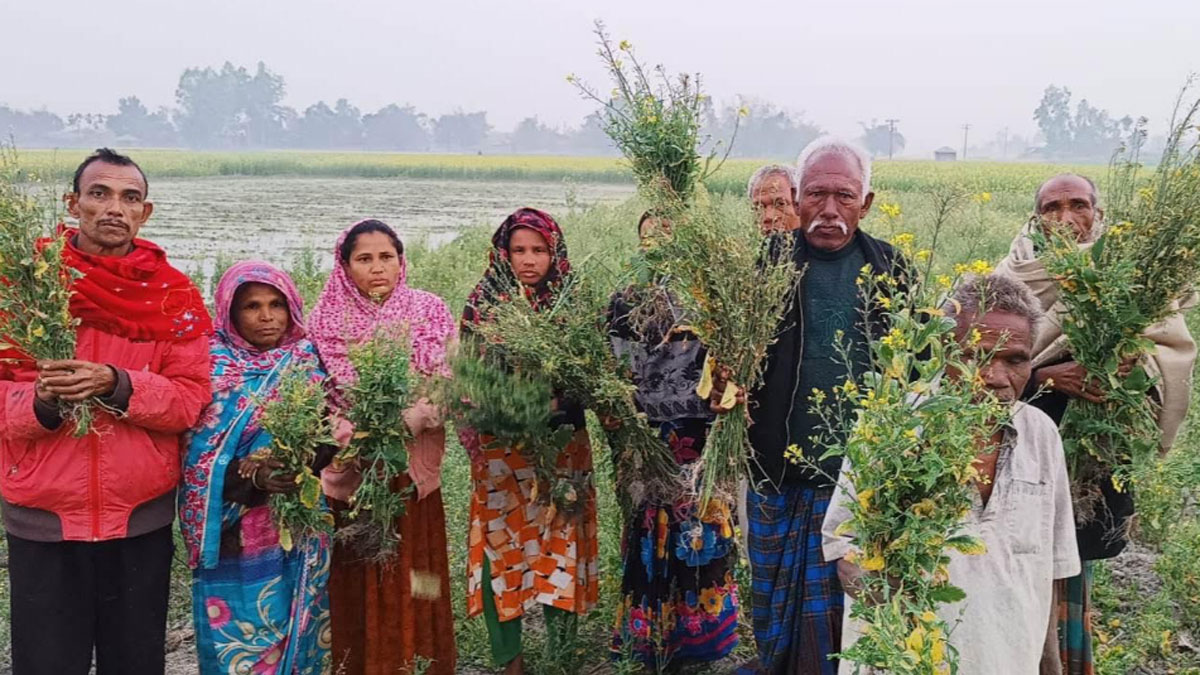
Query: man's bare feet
x=516 y=666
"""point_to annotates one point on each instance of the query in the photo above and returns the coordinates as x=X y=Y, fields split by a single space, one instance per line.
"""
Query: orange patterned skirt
x=534 y=556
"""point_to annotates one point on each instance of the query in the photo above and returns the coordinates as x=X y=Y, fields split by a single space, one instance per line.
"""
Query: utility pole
x=966 y=128
x=891 y=134
x=1004 y=154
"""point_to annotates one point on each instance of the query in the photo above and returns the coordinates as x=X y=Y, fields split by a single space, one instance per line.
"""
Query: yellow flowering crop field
x=901 y=175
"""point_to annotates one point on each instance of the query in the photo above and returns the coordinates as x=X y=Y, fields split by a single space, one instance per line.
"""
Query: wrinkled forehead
x=830 y=169
x=1007 y=330
x=258 y=287
x=1065 y=189
x=774 y=184
x=114 y=176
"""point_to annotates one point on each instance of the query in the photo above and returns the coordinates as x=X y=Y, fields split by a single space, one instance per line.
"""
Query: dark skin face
x=775 y=205
x=831 y=192
x=374 y=265
x=529 y=254
x=1069 y=200
x=260 y=315
x=111 y=207
x=653 y=231
x=1008 y=339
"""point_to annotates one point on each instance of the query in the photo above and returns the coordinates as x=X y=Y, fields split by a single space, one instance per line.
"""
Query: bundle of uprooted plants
x=385 y=388
x=35 y=317
x=910 y=437
x=655 y=120
x=1136 y=274
x=566 y=346
x=512 y=410
x=296 y=417
x=732 y=283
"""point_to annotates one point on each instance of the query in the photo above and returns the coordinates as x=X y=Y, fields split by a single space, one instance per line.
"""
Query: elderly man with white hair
x=775 y=193
x=797 y=597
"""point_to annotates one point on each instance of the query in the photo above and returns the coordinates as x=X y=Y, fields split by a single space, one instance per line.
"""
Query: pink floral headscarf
x=344 y=316
x=256 y=272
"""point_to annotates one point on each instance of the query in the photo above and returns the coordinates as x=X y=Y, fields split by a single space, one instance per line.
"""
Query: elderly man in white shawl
x=1073 y=200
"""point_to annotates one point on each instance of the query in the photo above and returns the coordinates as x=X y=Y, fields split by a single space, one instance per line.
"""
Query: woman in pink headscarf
x=257 y=606
x=388 y=617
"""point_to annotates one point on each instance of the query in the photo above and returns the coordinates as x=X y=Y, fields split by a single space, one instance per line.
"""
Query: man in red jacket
x=89 y=519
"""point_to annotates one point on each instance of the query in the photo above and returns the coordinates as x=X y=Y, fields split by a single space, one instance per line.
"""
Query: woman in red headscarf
x=521 y=553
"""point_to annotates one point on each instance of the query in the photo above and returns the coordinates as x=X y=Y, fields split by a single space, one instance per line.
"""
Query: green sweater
x=831 y=303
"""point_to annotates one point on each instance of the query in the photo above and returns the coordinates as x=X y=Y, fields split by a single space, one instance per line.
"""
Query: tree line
x=235 y=108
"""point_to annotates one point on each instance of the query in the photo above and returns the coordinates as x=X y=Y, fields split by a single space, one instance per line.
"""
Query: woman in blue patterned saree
x=257 y=608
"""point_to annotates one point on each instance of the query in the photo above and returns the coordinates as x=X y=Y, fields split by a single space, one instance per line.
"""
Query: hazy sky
x=934 y=64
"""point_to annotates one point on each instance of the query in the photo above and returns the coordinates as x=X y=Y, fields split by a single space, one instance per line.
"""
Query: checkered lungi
x=797 y=598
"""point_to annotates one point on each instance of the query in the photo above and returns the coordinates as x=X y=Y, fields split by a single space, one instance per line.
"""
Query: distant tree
x=135 y=122
x=1091 y=134
x=396 y=128
x=879 y=139
x=231 y=107
x=590 y=139
x=533 y=136
x=460 y=131
x=29 y=128
x=325 y=127
x=763 y=130
x=1053 y=116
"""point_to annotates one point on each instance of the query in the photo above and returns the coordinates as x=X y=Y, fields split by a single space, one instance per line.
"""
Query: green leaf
x=310 y=490
x=947 y=594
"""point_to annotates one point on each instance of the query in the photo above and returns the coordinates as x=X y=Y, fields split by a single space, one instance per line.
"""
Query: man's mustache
x=841 y=224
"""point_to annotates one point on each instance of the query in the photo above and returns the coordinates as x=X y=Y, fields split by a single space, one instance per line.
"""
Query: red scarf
x=138 y=296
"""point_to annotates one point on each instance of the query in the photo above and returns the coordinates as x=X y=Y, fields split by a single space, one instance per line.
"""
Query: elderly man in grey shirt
x=1022 y=511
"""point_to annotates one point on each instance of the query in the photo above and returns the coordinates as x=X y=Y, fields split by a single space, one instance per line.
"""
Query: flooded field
x=273 y=217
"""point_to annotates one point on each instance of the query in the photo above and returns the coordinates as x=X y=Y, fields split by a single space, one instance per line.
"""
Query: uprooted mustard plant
x=295 y=415
x=35 y=317
x=910 y=434
x=566 y=344
x=1137 y=272
x=386 y=386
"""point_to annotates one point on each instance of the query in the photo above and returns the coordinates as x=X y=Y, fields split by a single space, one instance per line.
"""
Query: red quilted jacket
x=94 y=483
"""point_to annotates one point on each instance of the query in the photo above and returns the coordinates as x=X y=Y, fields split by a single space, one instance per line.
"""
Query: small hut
x=945 y=154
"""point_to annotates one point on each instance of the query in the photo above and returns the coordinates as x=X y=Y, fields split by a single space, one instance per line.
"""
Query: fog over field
x=934 y=65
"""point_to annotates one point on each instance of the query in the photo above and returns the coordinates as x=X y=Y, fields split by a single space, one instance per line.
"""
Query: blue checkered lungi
x=797 y=597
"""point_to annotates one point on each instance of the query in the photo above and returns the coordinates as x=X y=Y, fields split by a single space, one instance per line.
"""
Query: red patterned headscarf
x=498 y=279
x=139 y=296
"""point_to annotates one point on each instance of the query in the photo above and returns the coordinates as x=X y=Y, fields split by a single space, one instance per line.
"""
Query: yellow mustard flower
x=981 y=267
x=875 y=563
x=864 y=497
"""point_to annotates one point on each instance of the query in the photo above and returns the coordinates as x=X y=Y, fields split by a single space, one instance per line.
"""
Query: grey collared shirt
x=1029 y=529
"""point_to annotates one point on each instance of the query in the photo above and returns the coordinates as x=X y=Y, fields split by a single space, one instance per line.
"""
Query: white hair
x=831 y=145
x=769 y=170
